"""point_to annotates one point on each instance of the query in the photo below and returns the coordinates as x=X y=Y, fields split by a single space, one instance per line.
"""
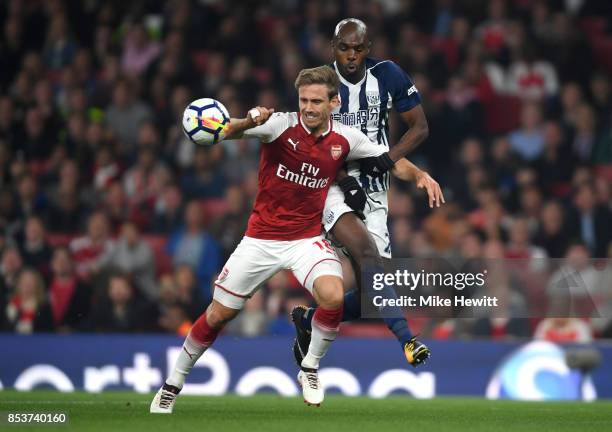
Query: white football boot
x=312 y=389
x=164 y=399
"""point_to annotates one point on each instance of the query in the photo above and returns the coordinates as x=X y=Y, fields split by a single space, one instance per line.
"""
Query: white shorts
x=255 y=261
x=375 y=212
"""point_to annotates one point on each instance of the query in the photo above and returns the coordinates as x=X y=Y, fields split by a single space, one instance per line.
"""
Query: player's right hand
x=259 y=115
x=434 y=193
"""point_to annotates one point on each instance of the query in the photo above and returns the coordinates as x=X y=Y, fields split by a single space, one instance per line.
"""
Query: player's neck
x=354 y=78
x=318 y=131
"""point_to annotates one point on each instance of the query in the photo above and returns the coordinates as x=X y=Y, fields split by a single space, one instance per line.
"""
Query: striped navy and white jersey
x=366 y=104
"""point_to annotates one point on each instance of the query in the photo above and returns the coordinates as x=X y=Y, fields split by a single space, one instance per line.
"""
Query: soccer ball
x=205 y=121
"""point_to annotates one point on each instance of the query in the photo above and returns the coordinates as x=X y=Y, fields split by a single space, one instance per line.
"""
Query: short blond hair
x=319 y=75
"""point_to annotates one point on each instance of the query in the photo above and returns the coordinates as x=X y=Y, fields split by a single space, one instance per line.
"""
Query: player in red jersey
x=300 y=158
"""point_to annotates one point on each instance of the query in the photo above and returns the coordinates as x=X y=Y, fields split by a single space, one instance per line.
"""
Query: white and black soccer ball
x=205 y=121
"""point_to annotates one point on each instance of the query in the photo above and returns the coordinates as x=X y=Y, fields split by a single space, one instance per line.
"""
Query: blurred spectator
x=125 y=115
x=252 y=320
x=520 y=247
x=530 y=202
x=553 y=233
x=133 y=257
x=532 y=78
x=493 y=31
x=601 y=96
x=187 y=292
x=471 y=158
x=563 y=330
x=462 y=112
x=591 y=222
x=8 y=209
x=10 y=267
x=504 y=165
x=106 y=168
x=229 y=229
x=31 y=202
x=70 y=181
x=35 y=250
x=175 y=320
x=205 y=179
x=168 y=210
x=572 y=96
x=122 y=310
x=567 y=48
x=575 y=287
x=193 y=246
x=400 y=230
x=528 y=141
x=140 y=181
x=66 y=214
x=584 y=132
x=88 y=250
x=115 y=206
x=70 y=298
x=28 y=310
x=38 y=141
x=59 y=48
x=138 y=50
x=553 y=166
x=11 y=50
x=242 y=158
x=508 y=319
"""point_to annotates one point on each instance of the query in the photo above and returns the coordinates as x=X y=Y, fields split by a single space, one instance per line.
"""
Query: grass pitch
x=129 y=411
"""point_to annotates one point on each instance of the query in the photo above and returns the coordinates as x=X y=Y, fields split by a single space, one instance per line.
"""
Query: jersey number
x=325 y=245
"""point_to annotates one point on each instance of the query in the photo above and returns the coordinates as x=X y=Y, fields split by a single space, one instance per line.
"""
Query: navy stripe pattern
x=365 y=105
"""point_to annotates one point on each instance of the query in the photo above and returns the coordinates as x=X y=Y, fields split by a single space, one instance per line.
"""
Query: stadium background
x=99 y=187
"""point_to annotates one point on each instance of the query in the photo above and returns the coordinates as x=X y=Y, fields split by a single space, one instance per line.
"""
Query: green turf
x=128 y=411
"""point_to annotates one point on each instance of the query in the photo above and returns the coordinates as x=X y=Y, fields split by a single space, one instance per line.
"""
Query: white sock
x=320 y=340
x=189 y=355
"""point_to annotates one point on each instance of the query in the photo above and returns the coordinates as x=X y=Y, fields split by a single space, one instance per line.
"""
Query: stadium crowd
x=112 y=221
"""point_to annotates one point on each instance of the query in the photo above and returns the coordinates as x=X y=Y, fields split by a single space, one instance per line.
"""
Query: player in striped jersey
x=369 y=88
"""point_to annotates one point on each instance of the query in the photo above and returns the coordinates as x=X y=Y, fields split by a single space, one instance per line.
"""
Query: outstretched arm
x=255 y=117
x=407 y=171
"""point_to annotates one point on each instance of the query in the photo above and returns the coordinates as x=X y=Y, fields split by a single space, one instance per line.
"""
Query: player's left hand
x=434 y=193
x=354 y=196
x=375 y=166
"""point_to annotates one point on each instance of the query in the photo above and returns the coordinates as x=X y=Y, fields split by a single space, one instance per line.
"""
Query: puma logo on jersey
x=294 y=144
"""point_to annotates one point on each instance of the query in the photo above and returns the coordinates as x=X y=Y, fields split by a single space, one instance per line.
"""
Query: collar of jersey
x=323 y=135
x=347 y=83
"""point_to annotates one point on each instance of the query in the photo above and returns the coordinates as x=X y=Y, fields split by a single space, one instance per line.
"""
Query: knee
x=329 y=293
x=217 y=317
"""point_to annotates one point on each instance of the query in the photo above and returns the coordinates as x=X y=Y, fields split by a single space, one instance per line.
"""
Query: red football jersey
x=295 y=173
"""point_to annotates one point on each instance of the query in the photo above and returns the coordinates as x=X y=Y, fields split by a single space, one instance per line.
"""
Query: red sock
x=327 y=319
x=202 y=333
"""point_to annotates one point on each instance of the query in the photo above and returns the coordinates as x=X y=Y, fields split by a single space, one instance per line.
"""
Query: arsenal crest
x=336 y=151
x=223 y=274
